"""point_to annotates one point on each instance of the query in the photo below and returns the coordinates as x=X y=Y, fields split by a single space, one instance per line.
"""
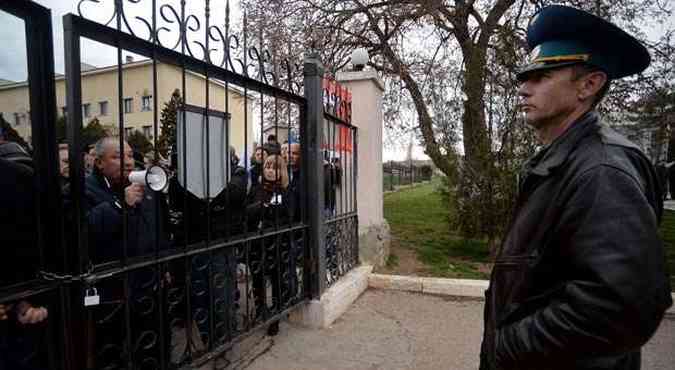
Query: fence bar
x=42 y=101
x=313 y=168
x=78 y=238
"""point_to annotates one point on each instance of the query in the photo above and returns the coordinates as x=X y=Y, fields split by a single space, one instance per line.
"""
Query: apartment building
x=100 y=99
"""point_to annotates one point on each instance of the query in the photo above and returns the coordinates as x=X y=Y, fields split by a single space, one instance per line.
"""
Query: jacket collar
x=104 y=183
x=557 y=152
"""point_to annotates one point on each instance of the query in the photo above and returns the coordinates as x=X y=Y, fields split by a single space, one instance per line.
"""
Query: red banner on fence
x=338 y=138
x=337 y=100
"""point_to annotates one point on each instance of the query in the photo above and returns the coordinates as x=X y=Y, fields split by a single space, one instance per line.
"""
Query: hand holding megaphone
x=133 y=194
x=154 y=178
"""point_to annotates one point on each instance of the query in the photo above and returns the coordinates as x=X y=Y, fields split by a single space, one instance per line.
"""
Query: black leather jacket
x=580 y=280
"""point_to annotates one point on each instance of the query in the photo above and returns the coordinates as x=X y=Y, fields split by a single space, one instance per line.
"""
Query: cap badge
x=534 y=54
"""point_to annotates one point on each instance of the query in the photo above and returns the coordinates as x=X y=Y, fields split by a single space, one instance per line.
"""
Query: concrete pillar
x=367 y=114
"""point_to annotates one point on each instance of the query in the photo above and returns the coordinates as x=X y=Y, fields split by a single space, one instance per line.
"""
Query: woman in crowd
x=269 y=205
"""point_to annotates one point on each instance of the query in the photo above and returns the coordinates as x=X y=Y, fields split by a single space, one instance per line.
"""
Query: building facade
x=100 y=99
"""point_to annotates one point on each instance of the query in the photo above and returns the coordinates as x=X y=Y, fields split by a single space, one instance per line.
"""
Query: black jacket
x=19 y=344
x=226 y=213
x=255 y=172
x=266 y=208
x=580 y=280
x=103 y=208
x=18 y=220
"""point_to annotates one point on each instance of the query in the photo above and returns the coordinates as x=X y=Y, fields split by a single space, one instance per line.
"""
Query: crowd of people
x=256 y=201
x=128 y=222
x=578 y=282
x=22 y=322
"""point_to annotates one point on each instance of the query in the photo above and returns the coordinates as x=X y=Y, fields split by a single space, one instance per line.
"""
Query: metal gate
x=228 y=254
x=162 y=255
x=30 y=235
x=340 y=148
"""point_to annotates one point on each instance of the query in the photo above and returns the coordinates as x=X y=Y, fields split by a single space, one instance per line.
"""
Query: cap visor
x=525 y=71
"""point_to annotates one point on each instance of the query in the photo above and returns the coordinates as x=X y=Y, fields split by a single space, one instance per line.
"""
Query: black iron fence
x=124 y=258
x=396 y=174
x=339 y=145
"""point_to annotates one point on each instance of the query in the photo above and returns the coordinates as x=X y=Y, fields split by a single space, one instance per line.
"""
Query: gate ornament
x=223 y=46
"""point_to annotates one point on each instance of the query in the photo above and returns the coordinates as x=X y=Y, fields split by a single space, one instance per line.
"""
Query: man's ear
x=591 y=84
x=98 y=163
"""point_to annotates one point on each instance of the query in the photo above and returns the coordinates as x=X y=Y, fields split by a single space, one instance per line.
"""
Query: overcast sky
x=13 y=56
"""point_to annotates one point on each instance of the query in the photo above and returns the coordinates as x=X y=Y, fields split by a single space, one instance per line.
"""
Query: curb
x=336 y=300
x=426 y=285
x=440 y=286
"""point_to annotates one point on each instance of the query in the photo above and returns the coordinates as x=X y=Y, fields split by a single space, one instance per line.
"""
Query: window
x=147 y=131
x=86 y=111
x=146 y=102
x=128 y=131
x=17 y=119
x=128 y=105
x=103 y=107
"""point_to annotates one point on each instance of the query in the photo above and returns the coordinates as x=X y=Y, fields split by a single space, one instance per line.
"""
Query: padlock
x=91 y=297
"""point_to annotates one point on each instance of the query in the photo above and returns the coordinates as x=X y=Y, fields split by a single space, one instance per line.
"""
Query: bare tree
x=453 y=64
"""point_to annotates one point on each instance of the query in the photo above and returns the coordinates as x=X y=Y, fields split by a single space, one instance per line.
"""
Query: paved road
x=397 y=330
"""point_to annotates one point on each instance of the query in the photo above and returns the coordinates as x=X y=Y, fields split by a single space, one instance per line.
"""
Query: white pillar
x=367 y=114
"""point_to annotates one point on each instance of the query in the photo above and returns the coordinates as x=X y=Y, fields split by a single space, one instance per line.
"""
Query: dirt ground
x=408 y=264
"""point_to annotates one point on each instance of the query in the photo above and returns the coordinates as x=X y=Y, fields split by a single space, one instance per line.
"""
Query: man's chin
x=532 y=120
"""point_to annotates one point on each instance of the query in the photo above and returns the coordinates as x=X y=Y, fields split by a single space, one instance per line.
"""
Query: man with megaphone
x=112 y=187
x=106 y=188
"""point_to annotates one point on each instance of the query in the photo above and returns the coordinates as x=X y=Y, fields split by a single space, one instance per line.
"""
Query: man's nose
x=524 y=90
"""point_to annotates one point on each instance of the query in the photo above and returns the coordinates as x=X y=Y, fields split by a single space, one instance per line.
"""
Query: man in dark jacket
x=105 y=190
x=191 y=227
x=257 y=160
x=22 y=323
x=107 y=193
x=579 y=281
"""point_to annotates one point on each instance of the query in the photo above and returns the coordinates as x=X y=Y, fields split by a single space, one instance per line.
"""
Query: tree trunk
x=475 y=140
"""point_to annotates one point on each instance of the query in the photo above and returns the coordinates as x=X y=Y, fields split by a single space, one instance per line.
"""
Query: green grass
x=668 y=234
x=419 y=220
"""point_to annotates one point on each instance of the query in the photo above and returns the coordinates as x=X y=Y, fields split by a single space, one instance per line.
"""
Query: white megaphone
x=154 y=178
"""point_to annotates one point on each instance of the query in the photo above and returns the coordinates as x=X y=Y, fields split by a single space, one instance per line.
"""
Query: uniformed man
x=580 y=280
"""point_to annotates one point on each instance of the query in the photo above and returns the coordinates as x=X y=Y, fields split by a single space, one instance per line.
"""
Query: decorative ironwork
x=339 y=148
x=234 y=266
x=237 y=52
x=143 y=337
x=191 y=276
x=342 y=247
